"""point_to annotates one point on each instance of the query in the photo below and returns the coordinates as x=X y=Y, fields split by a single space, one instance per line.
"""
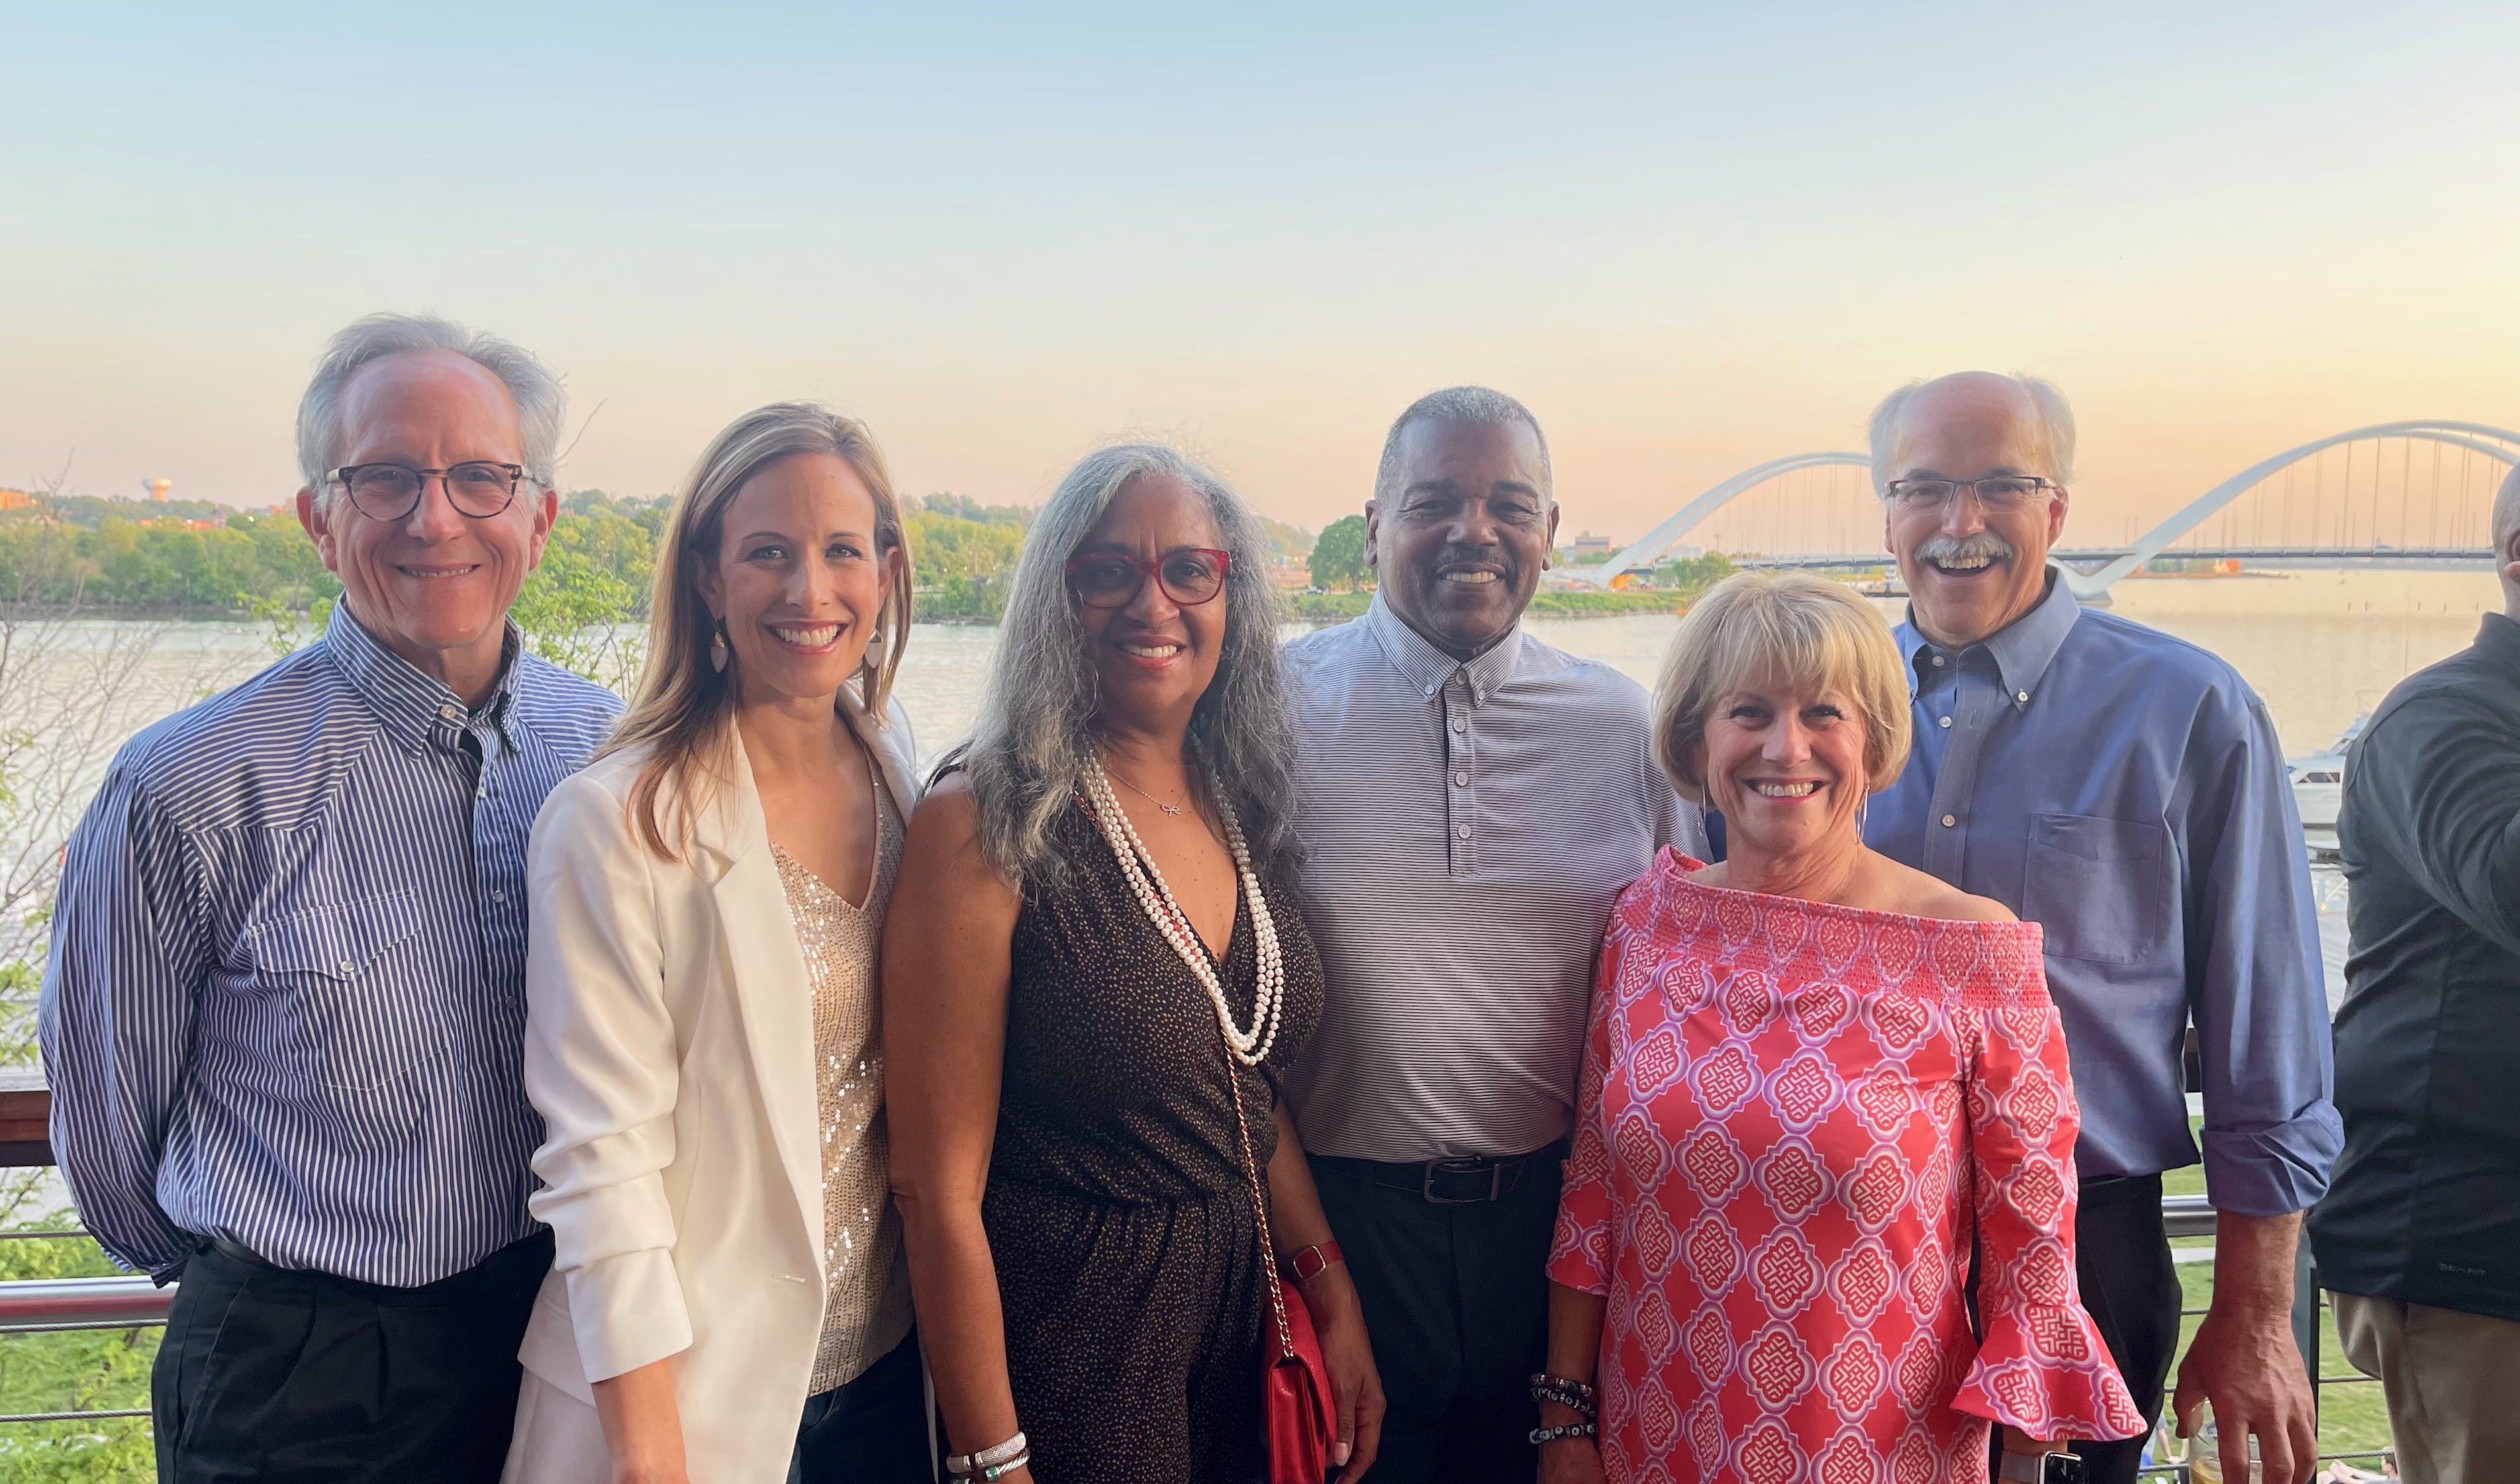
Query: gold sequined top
x=866 y=1309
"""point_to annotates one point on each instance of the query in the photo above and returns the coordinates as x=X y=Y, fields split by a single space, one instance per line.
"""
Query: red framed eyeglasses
x=1189 y=575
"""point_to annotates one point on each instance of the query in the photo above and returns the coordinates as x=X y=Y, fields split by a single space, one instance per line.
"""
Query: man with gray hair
x=1472 y=802
x=284 y=1013
x=2419 y=1236
x=2125 y=791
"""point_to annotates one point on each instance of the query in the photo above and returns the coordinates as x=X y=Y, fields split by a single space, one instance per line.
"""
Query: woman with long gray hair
x=1094 y=974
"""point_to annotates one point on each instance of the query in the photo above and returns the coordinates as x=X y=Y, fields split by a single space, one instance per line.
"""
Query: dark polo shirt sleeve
x=2426 y=1206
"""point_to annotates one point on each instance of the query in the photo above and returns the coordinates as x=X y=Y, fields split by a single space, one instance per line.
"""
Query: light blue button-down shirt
x=286 y=998
x=2125 y=790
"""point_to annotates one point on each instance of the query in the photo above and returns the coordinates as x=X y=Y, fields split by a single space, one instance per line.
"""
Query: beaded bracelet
x=1575 y=1396
x=1540 y=1435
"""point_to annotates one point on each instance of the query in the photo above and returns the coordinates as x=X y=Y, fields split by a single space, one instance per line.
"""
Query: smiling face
x=434 y=587
x=1155 y=658
x=1469 y=531
x=1971 y=571
x=1786 y=765
x=798 y=580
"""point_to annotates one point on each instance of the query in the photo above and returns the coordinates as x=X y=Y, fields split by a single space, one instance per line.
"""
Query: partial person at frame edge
x=1814 y=1079
x=1092 y=980
x=2417 y=1237
x=2126 y=790
x=283 y=1015
x=729 y=1304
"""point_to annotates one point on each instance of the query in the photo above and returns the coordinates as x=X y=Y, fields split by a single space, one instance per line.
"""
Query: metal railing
x=2189 y=1216
x=68 y=1304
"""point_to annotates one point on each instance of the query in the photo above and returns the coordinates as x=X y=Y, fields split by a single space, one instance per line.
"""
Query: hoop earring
x=719 y=654
x=1863 y=814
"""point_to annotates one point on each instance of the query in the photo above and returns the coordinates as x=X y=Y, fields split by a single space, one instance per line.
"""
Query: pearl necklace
x=1249 y=1047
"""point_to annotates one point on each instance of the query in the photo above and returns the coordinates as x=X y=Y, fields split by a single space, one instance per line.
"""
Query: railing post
x=2305 y=1316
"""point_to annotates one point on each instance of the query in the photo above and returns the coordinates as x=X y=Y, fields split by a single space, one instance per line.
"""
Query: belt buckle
x=1433 y=1167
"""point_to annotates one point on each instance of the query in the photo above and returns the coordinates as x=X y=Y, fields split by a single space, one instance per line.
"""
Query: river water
x=2320 y=647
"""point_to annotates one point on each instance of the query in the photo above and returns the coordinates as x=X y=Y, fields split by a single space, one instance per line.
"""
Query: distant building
x=14 y=499
x=1589 y=545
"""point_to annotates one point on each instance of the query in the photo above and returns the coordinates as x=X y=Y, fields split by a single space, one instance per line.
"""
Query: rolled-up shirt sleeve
x=2256 y=987
x=130 y=951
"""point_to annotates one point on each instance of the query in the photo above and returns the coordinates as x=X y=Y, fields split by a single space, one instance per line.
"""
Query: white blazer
x=669 y=1045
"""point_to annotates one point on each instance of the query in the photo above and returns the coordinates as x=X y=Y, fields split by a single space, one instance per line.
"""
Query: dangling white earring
x=718 y=652
x=1863 y=814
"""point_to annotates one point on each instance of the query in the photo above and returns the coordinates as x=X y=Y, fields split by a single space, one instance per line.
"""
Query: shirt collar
x=2022 y=649
x=416 y=707
x=1428 y=669
x=2499 y=638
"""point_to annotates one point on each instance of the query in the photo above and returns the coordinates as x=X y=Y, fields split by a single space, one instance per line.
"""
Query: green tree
x=1338 y=555
x=961 y=567
x=1689 y=576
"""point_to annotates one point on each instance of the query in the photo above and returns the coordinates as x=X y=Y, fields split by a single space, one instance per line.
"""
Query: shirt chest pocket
x=2104 y=890
x=345 y=976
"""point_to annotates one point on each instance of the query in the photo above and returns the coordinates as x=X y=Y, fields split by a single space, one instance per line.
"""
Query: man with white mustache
x=1473 y=801
x=2126 y=790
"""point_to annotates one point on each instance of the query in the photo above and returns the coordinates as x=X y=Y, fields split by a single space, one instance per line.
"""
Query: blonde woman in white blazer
x=729 y=1304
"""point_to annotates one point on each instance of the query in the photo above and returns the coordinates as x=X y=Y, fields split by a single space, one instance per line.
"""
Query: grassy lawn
x=2352 y=1418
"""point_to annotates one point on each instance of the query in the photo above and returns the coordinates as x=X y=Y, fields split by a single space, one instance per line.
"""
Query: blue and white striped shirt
x=286 y=999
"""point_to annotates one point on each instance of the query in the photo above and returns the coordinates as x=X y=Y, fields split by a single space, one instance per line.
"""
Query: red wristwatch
x=1307 y=1265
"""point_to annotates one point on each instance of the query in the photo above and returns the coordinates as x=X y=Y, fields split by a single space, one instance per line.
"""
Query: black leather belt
x=1449 y=1182
x=234 y=1251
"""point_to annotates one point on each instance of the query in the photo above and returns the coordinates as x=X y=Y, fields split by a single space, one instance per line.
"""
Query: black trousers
x=1457 y=1301
x=2128 y=1283
x=297 y=1377
x=2122 y=1265
x=871 y=1430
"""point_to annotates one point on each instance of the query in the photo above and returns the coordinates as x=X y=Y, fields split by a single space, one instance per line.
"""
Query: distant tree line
x=85 y=552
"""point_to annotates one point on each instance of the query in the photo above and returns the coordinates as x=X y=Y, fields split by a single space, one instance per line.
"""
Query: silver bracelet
x=998 y=1457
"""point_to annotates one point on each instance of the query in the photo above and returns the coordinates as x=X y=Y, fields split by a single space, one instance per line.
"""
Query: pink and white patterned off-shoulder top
x=1795 y=1119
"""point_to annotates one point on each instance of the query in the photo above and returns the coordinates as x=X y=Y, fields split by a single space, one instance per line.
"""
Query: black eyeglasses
x=2002 y=492
x=391 y=491
x=1189 y=575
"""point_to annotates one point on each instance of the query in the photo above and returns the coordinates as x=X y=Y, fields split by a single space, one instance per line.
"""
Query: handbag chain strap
x=1260 y=1213
x=1241 y=1123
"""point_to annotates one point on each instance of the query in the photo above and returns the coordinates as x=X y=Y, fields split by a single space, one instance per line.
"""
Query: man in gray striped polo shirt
x=1473 y=801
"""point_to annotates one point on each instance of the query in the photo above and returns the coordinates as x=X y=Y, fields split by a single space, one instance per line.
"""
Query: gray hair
x=542 y=403
x=2506 y=510
x=1038 y=714
x=1461 y=404
x=2055 y=424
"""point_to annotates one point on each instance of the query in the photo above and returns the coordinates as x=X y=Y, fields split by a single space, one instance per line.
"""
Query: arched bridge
x=2295 y=508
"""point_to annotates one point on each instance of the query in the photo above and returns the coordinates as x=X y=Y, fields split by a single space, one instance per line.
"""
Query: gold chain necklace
x=1141 y=793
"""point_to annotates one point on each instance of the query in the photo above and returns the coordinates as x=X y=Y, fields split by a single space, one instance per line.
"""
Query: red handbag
x=1294 y=1384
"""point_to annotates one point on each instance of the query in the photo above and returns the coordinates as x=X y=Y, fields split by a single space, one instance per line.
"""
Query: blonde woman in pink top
x=1815 y=1081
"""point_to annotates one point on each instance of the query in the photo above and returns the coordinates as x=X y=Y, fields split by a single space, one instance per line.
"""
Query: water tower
x=158 y=488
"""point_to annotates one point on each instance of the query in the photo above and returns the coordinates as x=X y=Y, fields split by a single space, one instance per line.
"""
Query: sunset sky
x=1691 y=237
